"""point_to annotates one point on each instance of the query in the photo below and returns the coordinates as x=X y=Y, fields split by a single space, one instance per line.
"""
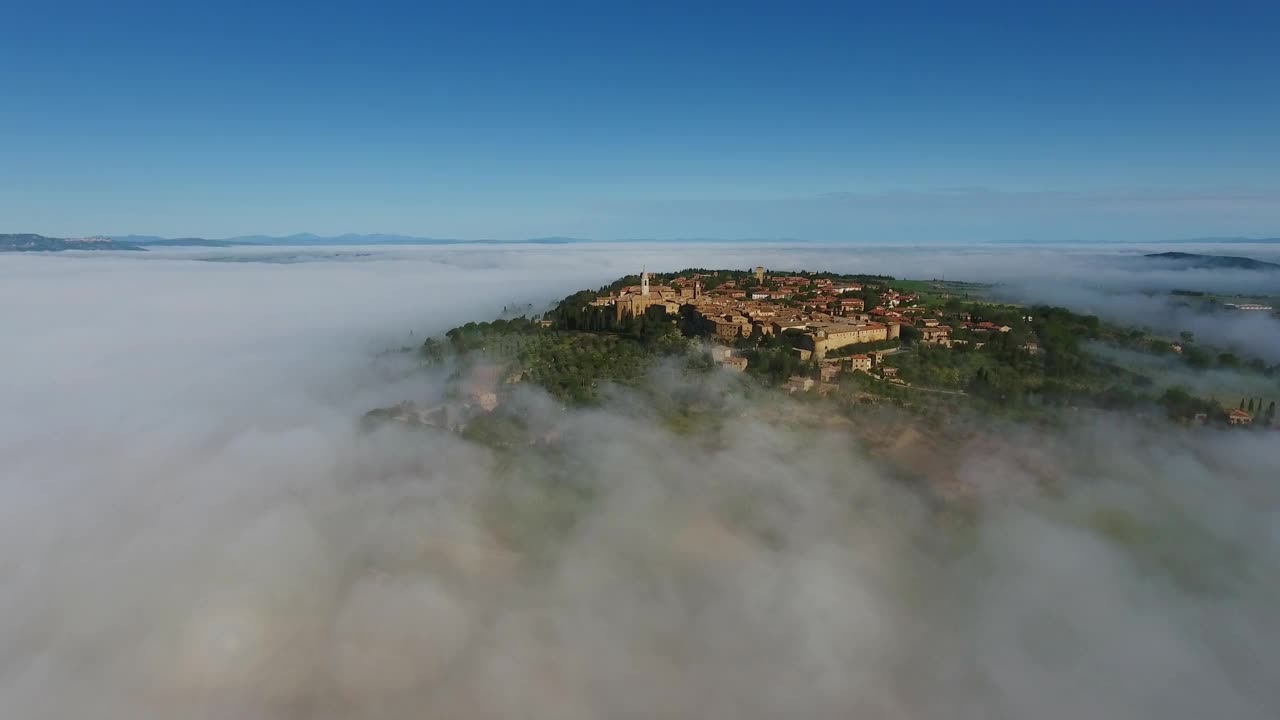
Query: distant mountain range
x=28 y=242
x=40 y=243
x=1193 y=261
x=145 y=241
x=309 y=239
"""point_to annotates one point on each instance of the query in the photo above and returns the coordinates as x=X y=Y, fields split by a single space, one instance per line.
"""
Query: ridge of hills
x=1194 y=261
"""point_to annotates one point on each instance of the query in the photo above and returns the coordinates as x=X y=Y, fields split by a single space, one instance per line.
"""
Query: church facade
x=635 y=301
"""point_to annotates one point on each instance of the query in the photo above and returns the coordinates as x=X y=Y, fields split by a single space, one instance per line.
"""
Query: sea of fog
x=192 y=524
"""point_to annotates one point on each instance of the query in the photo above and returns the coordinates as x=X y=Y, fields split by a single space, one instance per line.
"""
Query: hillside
x=951 y=355
x=1193 y=261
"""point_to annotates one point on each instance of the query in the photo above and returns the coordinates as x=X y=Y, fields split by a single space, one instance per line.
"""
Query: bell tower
x=644 y=283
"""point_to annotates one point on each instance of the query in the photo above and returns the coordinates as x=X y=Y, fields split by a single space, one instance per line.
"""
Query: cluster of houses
x=829 y=371
x=818 y=309
x=826 y=320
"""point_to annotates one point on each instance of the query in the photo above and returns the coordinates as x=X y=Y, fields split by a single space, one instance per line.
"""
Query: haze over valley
x=195 y=499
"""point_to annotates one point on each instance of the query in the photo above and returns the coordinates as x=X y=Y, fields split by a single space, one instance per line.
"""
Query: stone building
x=832 y=336
x=635 y=301
x=796 y=383
x=938 y=335
x=691 y=291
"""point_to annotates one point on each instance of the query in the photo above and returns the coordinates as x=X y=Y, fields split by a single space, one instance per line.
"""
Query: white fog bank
x=192 y=525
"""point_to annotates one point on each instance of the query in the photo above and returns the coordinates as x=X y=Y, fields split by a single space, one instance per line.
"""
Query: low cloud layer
x=191 y=524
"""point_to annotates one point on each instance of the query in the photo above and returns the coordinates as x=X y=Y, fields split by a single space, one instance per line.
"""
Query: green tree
x=1197 y=357
x=1182 y=405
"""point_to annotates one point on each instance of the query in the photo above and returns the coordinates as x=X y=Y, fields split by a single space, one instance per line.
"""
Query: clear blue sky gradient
x=897 y=122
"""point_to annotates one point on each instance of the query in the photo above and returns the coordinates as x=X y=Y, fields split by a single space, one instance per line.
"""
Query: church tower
x=644 y=283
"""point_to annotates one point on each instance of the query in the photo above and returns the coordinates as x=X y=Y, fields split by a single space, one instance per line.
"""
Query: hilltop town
x=830 y=313
x=932 y=347
x=824 y=318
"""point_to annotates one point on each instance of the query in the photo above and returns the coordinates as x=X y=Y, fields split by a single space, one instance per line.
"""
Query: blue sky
x=893 y=122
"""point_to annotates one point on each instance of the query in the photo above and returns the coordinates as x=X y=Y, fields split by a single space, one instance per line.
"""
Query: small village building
x=938 y=335
x=796 y=384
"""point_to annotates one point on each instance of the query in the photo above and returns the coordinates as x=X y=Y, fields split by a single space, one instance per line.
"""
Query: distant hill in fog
x=28 y=242
x=312 y=240
x=151 y=241
x=31 y=242
x=1193 y=261
x=308 y=239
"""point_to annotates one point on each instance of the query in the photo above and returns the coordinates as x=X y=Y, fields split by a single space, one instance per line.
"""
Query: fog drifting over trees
x=192 y=524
